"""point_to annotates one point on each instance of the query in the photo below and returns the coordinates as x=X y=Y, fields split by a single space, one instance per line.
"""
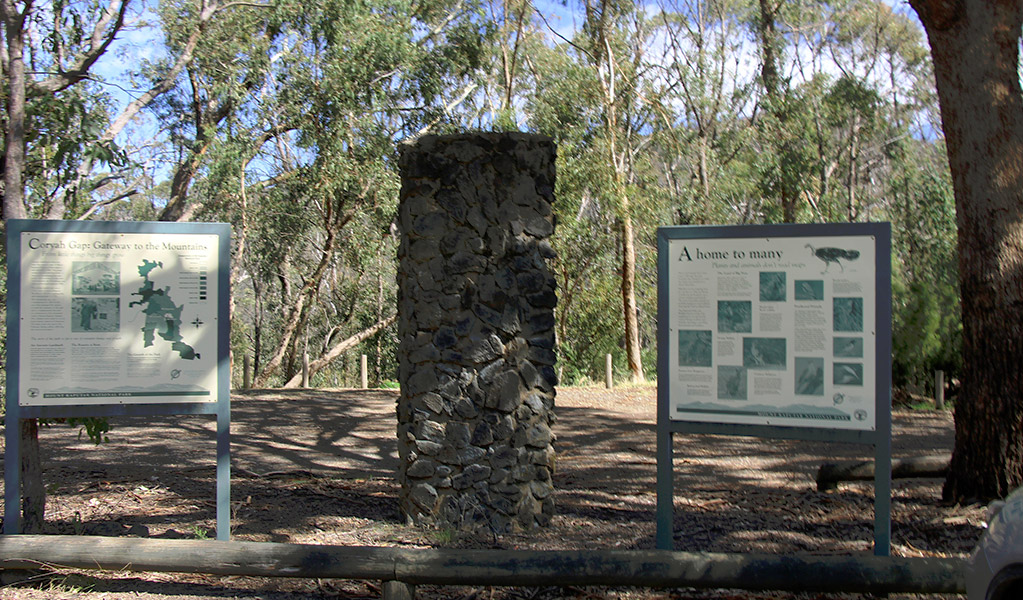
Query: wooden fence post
x=364 y=372
x=609 y=372
x=246 y=373
x=397 y=590
x=939 y=390
x=305 y=370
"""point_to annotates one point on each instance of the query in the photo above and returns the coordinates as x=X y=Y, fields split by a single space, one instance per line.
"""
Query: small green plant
x=200 y=533
x=444 y=536
x=77 y=524
x=95 y=427
x=389 y=384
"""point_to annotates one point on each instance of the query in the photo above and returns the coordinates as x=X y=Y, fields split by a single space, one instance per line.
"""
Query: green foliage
x=95 y=428
x=927 y=328
x=598 y=313
x=786 y=158
x=916 y=338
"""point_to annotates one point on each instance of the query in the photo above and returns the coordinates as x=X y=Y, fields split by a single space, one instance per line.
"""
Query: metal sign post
x=117 y=319
x=776 y=331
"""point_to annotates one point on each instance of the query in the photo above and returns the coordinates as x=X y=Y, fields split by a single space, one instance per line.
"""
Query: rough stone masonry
x=476 y=357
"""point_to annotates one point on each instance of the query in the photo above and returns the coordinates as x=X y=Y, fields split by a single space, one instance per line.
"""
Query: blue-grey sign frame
x=880 y=437
x=15 y=412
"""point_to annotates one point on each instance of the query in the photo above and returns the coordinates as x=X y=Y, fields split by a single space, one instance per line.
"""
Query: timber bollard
x=364 y=372
x=305 y=370
x=246 y=373
x=609 y=380
x=939 y=390
x=397 y=590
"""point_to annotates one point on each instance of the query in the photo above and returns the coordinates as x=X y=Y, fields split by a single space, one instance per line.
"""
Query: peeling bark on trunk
x=14 y=159
x=632 y=346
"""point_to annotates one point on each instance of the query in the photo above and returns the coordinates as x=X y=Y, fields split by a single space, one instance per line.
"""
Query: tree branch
x=103 y=34
x=340 y=348
x=95 y=207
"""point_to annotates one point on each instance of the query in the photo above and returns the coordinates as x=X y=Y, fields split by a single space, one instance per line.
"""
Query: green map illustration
x=162 y=315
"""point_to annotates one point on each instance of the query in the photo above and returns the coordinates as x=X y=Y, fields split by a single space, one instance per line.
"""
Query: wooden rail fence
x=400 y=569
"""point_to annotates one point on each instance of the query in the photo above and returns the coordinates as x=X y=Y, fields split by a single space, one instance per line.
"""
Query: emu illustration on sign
x=834 y=255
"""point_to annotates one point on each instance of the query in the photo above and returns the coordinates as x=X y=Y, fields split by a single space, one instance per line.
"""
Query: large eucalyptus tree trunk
x=14 y=158
x=975 y=48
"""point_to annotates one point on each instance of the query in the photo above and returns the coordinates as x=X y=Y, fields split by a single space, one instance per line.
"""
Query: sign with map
x=118 y=317
x=770 y=328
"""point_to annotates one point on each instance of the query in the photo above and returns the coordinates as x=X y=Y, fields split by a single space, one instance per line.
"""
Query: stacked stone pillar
x=476 y=324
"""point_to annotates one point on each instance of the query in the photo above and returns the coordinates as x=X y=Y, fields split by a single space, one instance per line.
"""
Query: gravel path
x=315 y=466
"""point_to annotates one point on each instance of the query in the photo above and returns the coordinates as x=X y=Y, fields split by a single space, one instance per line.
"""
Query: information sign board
x=773 y=330
x=118 y=317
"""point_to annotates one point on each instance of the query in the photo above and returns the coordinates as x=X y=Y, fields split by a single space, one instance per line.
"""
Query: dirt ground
x=316 y=466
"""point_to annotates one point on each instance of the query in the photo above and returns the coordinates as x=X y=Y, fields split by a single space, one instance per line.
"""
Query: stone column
x=476 y=322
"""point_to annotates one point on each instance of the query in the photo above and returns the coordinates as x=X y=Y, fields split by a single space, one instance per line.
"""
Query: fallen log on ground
x=830 y=474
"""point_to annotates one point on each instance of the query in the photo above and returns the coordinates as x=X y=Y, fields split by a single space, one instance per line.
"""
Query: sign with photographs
x=111 y=318
x=773 y=325
x=118 y=317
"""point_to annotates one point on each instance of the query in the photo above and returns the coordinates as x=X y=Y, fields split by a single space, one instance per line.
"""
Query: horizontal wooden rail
x=830 y=474
x=640 y=568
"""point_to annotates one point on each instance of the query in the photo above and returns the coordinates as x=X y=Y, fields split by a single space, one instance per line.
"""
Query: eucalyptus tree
x=89 y=192
x=354 y=79
x=588 y=94
x=518 y=43
x=614 y=37
x=564 y=103
x=542 y=81
x=47 y=114
x=61 y=126
x=47 y=74
x=975 y=46
x=777 y=183
x=229 y=63
x=68 y=122
x=872 y=100
x=703 y=101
